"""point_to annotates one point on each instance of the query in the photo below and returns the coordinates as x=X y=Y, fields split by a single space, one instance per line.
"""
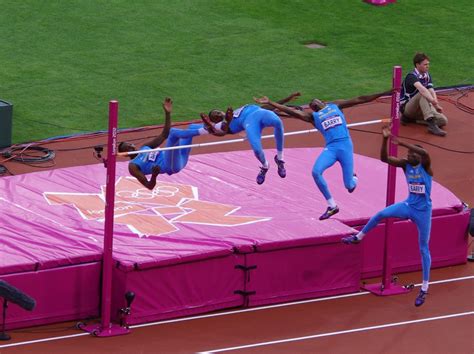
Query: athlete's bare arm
x=391 y=160
x=294 y=113
x=138 y=174
x=167 y=108
x=291 y=97
x=359 y=100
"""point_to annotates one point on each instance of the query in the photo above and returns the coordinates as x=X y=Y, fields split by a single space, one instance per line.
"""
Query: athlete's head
x=421 y=62
x=413 y=157
x=125 y=146
x=216 y=116
x=316 y=104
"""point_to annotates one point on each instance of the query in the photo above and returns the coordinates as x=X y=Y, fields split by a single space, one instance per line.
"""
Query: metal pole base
x=4 y=336
x=393 y=289
x=97 y=331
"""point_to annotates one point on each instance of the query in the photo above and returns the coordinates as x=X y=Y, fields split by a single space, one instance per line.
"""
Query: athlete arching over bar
x=168 y=161
x=253 y=119
x=328 y=118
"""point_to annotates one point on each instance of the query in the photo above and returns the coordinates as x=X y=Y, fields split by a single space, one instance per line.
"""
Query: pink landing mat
x=204 y=239
x=211 y=208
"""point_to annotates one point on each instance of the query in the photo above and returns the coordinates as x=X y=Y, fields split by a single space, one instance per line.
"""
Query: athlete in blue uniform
x=168 y=161
x=253 y=119
x=330 y=121
x=417 y=207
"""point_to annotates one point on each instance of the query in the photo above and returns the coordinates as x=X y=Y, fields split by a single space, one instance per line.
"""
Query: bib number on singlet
x=416 y=188
x=152 y=155
x=331 y=122
x=238 y=111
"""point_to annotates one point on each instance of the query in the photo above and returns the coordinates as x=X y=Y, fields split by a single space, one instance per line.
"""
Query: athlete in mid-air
x=253 y=119
x=328 y=118
x=168 y=161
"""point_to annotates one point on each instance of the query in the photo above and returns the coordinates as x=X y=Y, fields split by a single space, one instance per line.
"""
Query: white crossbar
x=243 y=139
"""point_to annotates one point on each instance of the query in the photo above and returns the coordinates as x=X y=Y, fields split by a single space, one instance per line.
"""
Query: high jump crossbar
x=384 y=120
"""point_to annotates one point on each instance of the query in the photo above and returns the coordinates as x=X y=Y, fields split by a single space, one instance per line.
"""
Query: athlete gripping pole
x=417 y=207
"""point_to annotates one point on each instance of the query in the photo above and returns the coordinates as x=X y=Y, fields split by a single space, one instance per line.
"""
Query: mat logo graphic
x=155 y=212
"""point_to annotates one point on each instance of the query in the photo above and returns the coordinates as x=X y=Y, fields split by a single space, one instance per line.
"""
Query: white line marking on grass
x=362 y=329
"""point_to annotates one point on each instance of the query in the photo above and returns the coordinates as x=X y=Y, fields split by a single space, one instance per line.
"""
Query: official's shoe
x=352 y=239
x=281 y=167
x=353 y=189
x=329 y=212
x=420 y=299
x=434 y=129
x=261 y=175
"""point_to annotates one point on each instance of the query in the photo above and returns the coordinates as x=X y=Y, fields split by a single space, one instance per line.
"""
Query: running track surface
x=355 y=323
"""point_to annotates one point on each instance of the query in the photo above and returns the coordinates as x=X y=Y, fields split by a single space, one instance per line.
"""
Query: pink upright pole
x=109 y=215
x=388 y=287
x=392 y=172
x=106 y=328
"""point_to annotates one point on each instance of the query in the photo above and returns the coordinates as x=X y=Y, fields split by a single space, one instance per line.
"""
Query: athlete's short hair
x=121 y=147
x=214 y=111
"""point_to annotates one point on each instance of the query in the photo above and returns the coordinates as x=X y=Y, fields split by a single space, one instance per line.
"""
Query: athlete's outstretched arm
x=305 y=116
x=167 y=108
x=138 y=174
x=391 y=160
x=291 y=97
x=359 y=100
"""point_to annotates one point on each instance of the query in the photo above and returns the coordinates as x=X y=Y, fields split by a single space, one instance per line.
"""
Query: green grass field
x=62 y=61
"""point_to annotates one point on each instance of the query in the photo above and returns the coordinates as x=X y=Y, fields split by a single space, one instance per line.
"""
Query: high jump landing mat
x=206 y=238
